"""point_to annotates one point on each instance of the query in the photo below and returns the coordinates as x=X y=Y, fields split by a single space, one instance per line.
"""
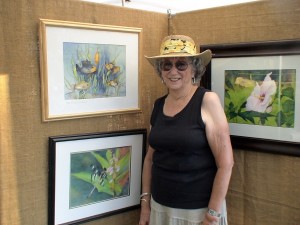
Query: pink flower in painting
x=261 y=96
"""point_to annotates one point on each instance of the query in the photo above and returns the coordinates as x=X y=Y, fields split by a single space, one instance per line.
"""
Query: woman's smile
x=174 y=79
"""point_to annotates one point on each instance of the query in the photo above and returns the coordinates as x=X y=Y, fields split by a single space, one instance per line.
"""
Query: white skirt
x=163 y=215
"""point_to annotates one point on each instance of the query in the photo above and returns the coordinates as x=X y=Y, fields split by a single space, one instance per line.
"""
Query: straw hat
x=179 y=46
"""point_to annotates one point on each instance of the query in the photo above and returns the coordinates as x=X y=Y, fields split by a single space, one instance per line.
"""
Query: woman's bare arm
x=217 y=132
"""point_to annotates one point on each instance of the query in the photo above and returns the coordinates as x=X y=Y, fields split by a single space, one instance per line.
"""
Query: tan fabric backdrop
x=264 y=187
x=24 y=137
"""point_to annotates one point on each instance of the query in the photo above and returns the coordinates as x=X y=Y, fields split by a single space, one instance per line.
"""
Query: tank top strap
x=194 y=109
x=158 y=104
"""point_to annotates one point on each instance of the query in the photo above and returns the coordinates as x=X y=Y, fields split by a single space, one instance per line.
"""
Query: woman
x=188 y=165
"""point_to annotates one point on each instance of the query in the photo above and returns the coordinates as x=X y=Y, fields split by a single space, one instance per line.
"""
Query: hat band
x=177 y=46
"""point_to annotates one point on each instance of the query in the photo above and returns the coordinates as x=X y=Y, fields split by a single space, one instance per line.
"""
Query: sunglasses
x=168 y=65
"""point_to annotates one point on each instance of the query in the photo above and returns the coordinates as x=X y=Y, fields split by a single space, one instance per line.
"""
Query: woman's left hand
x=210 y=220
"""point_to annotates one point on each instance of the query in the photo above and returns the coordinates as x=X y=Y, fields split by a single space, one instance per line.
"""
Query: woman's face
x=176 y=72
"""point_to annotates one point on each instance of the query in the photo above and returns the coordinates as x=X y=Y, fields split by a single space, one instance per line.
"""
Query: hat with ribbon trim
x=179 y=46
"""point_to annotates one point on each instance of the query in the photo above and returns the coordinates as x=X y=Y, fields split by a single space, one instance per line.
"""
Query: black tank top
x=183 y=167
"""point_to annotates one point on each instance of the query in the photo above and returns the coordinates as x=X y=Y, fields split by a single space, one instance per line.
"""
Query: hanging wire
x=169 y=12
x=170 y=24
x=125 y=1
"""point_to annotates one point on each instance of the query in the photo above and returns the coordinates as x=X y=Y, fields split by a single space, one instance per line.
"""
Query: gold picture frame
x=88 y=69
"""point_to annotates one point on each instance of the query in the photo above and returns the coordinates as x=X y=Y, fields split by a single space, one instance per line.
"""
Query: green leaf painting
x=260 y=97
x=94 y=70
x=99 y=175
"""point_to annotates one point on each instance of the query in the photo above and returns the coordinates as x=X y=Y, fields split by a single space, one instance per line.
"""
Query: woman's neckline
x=185 y=105
x=183 y=96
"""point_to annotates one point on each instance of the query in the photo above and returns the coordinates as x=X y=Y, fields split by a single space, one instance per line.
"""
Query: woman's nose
x=173 y=69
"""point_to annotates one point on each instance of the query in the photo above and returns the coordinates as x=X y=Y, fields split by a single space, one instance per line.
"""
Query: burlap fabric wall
x=24 y=137
x=264 y=187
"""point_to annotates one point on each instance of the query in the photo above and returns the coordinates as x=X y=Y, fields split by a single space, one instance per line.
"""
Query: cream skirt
x=162 y=215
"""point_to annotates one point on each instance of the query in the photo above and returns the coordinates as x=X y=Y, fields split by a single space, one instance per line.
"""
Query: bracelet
x=142 y=199
x=144 y=194
x=214 y=213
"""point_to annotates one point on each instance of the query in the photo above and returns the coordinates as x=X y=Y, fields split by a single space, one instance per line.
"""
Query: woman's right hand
x=146 y=188
x=145 y=213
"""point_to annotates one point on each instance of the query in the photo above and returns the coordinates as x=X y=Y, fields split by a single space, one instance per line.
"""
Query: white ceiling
x=175 y=6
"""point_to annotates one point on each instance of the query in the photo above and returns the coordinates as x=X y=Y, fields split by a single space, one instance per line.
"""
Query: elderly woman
x=188 y=165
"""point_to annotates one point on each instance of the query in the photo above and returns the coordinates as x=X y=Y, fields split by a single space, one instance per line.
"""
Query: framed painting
x=259 y=86
x=94 y=175
x=88 y=69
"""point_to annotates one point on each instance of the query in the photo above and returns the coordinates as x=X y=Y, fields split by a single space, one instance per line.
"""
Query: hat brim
x=205 y=56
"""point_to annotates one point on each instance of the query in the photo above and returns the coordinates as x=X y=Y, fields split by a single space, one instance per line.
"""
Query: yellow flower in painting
x=82 y=86
x=97 y=57
x=244 y=82
x=109 y=66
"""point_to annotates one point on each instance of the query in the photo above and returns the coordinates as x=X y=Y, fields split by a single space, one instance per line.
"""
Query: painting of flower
x=260 y=97
x=94 y=70
x=99 y=175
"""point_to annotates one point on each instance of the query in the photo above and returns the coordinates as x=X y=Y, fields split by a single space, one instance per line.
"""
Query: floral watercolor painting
x=94 y=70
x=99 y=175
x=260 y=97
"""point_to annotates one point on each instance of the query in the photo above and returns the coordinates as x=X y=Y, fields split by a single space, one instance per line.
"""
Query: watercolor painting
x=99 y=175
x=94 y=70
x=88 y=70
x=93 y=175
x=260 y=97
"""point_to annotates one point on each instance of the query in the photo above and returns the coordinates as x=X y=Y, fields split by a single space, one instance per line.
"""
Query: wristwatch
x=214 y=213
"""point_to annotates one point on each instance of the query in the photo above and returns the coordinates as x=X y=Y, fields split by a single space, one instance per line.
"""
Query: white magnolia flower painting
x=260 y=97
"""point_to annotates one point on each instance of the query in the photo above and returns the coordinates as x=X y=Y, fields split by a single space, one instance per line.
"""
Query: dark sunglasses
x=180 y=65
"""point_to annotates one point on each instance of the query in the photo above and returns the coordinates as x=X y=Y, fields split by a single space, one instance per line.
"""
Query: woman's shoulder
x=210 y=94
x=211 y=101
x=206 y=93
x=201 y=89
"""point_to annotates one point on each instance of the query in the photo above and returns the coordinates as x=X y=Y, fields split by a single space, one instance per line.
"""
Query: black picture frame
x=255 y=49
x=94 y=175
